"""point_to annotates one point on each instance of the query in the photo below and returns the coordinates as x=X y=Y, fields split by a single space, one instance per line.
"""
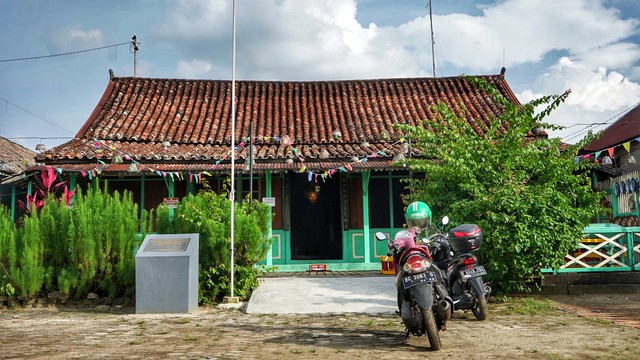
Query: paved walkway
x=307 y=293
x=371 y=292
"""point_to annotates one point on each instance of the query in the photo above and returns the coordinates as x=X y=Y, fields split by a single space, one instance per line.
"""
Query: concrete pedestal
x=167 y=274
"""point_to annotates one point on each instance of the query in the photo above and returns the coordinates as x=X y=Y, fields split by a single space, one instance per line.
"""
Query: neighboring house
x=14 y=159
x=617 y=151
x=322 y=150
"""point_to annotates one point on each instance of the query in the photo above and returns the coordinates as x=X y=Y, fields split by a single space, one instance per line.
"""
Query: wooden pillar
x=269 y=234
x=171 y=191
x=392 y=201
x=13 y=203
x=365 y=215
x=191 y=188
x=73 y=182
x=142 y=178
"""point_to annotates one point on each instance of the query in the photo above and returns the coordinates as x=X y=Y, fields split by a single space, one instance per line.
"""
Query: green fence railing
x=604 y=247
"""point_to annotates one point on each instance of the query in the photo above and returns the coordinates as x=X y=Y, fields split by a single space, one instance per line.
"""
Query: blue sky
x=589 y=46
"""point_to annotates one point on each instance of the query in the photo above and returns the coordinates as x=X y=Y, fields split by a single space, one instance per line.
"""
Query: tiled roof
x=14 y=158
x=624 y=129
x=171 y=120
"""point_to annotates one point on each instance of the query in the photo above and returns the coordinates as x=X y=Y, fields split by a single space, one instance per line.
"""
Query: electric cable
x=608 y=121
x=36 y=115
x=64 y=54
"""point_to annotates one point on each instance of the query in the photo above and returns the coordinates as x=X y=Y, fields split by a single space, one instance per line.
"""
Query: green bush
x=28 y=271
x=209 y=214
x=215 y=282
x=87 y=247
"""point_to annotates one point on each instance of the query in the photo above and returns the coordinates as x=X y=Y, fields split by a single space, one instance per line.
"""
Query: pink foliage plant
x=47 y=183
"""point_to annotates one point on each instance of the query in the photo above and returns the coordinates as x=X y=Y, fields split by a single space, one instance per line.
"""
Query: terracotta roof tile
x=14 y=158
x=137 y=115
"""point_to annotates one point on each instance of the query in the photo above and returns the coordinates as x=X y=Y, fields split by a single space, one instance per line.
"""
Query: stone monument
x=167 y=274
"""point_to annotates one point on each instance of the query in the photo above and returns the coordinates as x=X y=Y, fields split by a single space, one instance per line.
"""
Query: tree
x=530 y=195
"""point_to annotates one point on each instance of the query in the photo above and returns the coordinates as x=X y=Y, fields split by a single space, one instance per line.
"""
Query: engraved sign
x=271 y=201
x=167 y=245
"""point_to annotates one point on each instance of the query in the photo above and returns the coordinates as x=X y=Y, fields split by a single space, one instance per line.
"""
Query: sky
x=591 y=47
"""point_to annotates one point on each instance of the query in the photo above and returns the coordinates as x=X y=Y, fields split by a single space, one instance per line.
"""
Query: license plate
x=426 y=277
x=473 y=272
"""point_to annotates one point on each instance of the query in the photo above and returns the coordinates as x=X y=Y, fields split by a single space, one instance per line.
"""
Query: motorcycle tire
x=479 y=308
x=431 y=329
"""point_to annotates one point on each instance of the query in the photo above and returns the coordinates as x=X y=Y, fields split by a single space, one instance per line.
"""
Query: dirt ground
x=558 y=327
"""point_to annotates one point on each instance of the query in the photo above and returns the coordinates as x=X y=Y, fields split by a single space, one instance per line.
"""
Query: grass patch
x=182 y=321
x=369 y=323
x=190 y=338
x=531 y=306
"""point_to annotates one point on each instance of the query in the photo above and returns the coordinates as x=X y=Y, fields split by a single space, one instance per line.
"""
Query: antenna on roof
x=134 y=44
x=433 y=41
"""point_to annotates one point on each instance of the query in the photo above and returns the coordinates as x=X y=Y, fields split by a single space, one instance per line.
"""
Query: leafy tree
x=529 y=195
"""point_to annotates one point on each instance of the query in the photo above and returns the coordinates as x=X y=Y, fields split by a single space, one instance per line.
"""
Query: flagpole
x=232 y=194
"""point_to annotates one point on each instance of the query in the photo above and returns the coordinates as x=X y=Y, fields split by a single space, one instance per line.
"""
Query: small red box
x=318 y=267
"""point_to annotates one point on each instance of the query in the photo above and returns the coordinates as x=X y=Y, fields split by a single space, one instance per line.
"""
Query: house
x=322 y=152
x=14 y=159
x=617 y=151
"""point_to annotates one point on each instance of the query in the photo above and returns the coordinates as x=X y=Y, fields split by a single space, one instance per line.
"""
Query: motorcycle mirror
x=380 y=236
x=445 y=220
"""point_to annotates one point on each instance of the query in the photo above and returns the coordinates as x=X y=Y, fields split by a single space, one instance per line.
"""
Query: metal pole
x=251 y=161
x=232 y=195
x=134 y=41
x=433 y=41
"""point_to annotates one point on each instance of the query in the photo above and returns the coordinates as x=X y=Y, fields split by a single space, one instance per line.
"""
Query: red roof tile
x=138 y=116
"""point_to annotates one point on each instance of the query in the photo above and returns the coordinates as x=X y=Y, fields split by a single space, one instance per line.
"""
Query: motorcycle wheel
x=479 y=308
x=431 y=329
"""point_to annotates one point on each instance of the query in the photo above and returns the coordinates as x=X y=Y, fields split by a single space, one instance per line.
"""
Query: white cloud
x=527 y=30
x=597 y=96
x=321 y=39
x=190 y=19
x=193 y=69
x=74 y=38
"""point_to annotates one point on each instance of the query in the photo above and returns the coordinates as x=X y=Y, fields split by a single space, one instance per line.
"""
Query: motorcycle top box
x=465 y=238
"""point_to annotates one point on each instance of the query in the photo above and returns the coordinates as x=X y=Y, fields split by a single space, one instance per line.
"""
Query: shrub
x=215 y=282
x=88 y=247
x=209 y=214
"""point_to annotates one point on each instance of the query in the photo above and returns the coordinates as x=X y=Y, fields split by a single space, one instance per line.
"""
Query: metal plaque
x=167 y=245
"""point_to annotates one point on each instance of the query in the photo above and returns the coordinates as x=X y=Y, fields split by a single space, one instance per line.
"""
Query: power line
x=584 y=130
x=64 y=54
x=36 y=115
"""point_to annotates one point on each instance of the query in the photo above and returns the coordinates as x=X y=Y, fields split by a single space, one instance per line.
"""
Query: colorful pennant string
x=197 y=177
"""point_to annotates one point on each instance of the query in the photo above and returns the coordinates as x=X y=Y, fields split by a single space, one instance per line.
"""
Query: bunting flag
x=197 y=177
x=610 y=150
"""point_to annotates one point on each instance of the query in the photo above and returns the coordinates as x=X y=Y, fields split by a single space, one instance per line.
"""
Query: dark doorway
x=315 y=218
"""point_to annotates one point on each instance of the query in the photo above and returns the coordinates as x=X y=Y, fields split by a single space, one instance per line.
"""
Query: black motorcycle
x=452 y=253
x=423 y=301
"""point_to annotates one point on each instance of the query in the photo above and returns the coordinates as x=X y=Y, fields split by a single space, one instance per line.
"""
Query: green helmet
x=418 y=214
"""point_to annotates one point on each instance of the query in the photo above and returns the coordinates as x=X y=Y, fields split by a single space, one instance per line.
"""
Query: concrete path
x=327 y=295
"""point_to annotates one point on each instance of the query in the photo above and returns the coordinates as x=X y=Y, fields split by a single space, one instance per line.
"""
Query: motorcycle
x=423 y=302
x=462 y=274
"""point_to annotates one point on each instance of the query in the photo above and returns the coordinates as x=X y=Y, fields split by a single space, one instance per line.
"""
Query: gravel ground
x=558 y=327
